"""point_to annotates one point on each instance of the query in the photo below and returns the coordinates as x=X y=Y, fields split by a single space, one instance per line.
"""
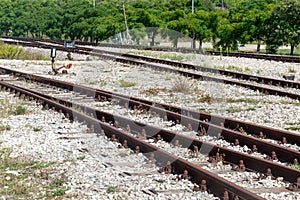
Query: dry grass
x=182 y=85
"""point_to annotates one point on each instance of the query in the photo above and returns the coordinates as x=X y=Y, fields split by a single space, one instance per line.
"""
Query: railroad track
x=279 y=58
x=232 y=157
x=265 y=85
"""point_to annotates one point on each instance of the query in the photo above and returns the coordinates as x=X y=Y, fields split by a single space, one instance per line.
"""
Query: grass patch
x=292 y=70
x=182 y=85
x=23 y=179
x=5 y=127
x=295 y=167
x=20 y=110
x=234 y=110
x=111 y=189
x=250 y=101
x=205 y=99
x=37 y=129
x=16 y=52
x=126 y=83
x=81 y=158
x=293 y=128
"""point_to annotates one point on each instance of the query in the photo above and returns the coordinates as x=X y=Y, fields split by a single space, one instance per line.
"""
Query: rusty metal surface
x=283 y=154
x=252 y=163
x=216 y=185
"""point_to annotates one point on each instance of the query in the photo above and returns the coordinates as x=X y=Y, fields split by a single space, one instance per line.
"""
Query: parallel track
x=281 y=58
x=284 y=154
x=216 y=185
x=147 y=62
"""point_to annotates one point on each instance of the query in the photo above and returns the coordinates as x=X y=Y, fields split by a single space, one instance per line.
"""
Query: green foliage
x=111 y=189
x=20 y=110
x=81 y=158
x=59 y=191
x=296 y=166
x=10 y=52
x=4 y=128
x=225 y=23
x=36 y=129
x=126 y=83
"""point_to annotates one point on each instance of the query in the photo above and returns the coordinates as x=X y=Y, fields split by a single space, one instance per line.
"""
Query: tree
x=287 y=23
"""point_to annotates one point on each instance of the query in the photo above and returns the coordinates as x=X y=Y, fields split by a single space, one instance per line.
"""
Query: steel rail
x=284 y=154
x=253 y=163
x=119 y=57
x=282 y=58
x=215 y=184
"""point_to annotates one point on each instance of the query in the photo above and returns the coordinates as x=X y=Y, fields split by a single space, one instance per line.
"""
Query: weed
x=168 y=78
x=296 y=166
x=16 y=52
x=20 y=110
x=293 y=128
x=5 y=128
x=126 y=84
x=250 y=101
x=60 y=191
x=103 y=83
x=81 y=158
x=36 y=129
x=111 y=189
x=182 y=85
x=234 y=68
x=292 y=70
x=205 y=99
x=10 y=51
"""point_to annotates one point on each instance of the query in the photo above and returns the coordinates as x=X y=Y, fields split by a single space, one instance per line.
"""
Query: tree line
x=225 y=23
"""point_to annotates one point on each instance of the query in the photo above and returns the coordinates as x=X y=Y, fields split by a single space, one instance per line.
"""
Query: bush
x=10 y=52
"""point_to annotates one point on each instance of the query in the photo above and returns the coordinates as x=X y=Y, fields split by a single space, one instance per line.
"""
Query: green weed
x=126 y=83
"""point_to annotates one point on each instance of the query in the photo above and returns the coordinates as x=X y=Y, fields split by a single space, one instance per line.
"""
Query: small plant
x=296 y=166
x=182 y=85
x=81 y=158
x=10 y=51
x=60 y=191
x=36 y=129
x=111 y=189
x=103 y=83
x=126 y=83
x=20 y=110
x=292 y=70
x=5 y=128
x=167 y=78
x=293 y=128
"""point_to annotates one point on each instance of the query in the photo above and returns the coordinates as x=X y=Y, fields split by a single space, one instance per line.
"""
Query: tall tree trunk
x=152 y=39
x=258 y=45
x=175 y=42
x=292 y=49
x=194 y=43
x=200 y=45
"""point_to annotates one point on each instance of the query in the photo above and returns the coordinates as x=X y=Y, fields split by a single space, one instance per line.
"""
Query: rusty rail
x=215 y=184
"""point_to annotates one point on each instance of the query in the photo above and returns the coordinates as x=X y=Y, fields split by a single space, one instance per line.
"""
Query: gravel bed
x=252 y=66
x=95 y=167
x=216 y=98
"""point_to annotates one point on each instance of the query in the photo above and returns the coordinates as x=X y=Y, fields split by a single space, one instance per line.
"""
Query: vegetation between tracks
x=16 y=52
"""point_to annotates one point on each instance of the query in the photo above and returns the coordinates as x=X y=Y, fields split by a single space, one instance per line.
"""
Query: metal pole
x=193 y=41
x=192 y=6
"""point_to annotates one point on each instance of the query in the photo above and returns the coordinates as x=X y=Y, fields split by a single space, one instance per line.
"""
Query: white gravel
x=84 y=175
